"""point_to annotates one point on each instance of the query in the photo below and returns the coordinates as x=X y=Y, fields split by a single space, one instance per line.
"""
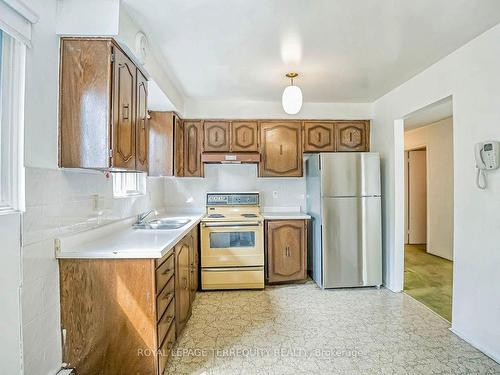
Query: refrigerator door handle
x=364 y=244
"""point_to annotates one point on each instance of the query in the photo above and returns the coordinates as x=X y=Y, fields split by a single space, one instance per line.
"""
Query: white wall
x=270 y=110
x=471 y=76
x=189 y=193
x=10 y=281
x=438 y=140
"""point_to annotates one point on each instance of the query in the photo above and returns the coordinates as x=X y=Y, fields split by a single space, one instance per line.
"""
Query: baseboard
x=485 y=351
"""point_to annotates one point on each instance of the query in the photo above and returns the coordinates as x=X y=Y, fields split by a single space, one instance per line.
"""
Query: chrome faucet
x=141 y=219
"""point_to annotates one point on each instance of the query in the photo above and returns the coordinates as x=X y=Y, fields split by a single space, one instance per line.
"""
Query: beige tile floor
x=300 y=329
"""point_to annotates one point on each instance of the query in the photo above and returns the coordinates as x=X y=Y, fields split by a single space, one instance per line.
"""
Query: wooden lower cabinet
x=286 y=250
x=122 y=316
x=182 y=285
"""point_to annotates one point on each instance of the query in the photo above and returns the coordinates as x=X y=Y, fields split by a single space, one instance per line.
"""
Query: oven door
x=230 y=244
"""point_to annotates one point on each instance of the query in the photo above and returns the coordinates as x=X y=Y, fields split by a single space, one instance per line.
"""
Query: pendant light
x=292 y=96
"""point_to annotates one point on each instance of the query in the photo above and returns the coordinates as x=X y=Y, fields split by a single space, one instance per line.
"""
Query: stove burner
x=215 y=216
x=249 y=215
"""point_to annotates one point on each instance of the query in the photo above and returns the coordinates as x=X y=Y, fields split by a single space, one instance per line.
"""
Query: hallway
x=429 y=279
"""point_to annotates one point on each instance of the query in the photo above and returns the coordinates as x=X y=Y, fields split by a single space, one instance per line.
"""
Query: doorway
x=428 y=208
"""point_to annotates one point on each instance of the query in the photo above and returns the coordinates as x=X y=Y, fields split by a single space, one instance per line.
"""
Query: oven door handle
x=232 y=225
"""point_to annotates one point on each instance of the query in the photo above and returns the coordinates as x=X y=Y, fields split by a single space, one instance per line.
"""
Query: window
x=128 y=184
x=12 y=63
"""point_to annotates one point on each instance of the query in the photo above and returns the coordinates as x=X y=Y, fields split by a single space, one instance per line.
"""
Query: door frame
x=419 y=147
x=396 y=264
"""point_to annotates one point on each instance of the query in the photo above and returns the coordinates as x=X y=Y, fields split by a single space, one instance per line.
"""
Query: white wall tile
x=190 y=192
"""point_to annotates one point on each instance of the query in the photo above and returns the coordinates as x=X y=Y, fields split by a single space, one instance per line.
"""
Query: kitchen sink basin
x=163 y=224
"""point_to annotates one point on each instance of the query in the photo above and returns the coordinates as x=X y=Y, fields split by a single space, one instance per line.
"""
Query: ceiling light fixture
x=292 y=96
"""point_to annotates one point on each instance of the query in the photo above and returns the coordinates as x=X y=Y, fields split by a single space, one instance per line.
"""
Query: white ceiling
x=344 y=50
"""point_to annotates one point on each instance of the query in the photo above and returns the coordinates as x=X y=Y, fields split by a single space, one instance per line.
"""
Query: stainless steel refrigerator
x=344 y=200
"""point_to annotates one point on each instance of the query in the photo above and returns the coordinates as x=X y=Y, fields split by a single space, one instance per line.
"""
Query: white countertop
x=284 y=213
x=119 y=240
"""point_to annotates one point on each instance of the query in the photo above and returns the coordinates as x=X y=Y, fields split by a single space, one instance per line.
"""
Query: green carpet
x=428 y=279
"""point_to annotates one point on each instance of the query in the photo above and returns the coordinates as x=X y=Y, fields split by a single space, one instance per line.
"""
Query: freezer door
x=352 y=244
x=350 y=174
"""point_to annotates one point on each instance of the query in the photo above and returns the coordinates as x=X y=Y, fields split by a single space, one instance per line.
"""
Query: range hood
x=230 y=158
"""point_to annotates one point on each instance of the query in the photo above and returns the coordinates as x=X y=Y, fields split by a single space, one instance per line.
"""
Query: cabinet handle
x=350 y=137
x=166 y=272
x=125 y=112
x=143 y=123
x=319 y=137
x=216 y=137
x=281 y=149
x=287 y=251
x=185 y=283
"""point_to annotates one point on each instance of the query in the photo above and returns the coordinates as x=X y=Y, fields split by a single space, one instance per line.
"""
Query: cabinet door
x=319 y=136
x=244 y=136
x=182 y=295
x=178 y=147
x=161 y=143
x=141 y=122
x=193 y=138
x=353 y=136
x=194 y=264
x=216 y=136
x=286 y=250
x=84 y=138
x=281 y=149
x=124 y=84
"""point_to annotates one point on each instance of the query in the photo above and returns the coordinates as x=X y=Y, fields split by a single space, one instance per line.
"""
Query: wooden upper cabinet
x=281 y=148
x=193 y=140
x=84 y=103
x=142 y=126
x=244 y=136
x=319 y=136
x=161 y=143
x=102 y=107
x=286 y=250
x=178 y=146
x=124 y=129
x=353 y=136
x=217 y=137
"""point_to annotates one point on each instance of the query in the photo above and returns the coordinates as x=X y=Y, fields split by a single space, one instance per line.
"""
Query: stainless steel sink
x=163 y=224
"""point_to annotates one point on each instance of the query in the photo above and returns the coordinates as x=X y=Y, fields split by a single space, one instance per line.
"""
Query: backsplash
x=189 y=193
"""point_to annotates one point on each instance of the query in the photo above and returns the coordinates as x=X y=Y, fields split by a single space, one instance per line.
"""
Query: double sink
x=162 y=224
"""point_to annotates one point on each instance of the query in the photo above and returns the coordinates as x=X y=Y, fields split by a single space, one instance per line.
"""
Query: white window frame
x=128 y=184
x=12 y=124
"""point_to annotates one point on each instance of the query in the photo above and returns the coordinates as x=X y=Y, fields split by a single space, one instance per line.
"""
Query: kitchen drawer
x=166 y=321
x=164 y=352
x=159 y=261
x=232 y=278
x=164 y=273
x=164 y=298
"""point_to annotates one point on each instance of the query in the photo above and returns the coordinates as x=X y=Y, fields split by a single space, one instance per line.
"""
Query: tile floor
x=300 y=329
x=429 y=279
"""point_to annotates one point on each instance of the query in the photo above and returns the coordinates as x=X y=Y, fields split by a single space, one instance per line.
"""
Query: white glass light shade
x=292 y=100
